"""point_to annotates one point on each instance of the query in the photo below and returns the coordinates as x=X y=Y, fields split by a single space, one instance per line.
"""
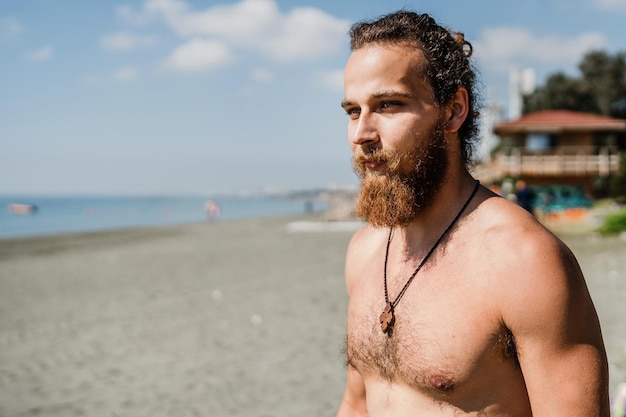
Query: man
x=460 y=302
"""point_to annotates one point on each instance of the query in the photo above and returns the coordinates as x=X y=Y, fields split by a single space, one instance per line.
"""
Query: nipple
x=441 y=382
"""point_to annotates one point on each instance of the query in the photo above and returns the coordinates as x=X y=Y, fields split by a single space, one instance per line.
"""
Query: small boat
x=22 y=209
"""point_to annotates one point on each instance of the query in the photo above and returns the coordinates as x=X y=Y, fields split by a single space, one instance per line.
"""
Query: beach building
x=555 y=146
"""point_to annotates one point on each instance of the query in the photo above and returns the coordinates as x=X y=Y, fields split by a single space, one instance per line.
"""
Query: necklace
x=387 y=318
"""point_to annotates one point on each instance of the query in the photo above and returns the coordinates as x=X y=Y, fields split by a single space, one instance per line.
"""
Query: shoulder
x=534 y=274
x=363 y=238
x=513 y=234
x=366 y=246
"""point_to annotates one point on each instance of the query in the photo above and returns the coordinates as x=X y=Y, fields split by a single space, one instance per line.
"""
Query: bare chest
x=444 y=337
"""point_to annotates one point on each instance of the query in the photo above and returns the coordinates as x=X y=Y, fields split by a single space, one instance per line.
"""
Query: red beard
x=406 y=183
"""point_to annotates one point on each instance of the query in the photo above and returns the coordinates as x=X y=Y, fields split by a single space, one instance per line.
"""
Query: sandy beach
x=225 y=319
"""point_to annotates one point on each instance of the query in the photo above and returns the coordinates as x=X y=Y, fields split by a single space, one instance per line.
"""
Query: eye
x=389 y=104
x=353 y=112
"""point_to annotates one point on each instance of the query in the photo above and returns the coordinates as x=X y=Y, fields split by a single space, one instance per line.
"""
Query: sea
x=63 y=215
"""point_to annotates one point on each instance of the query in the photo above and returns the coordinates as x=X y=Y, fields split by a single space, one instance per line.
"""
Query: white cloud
x=240 y=21
x=503 y=48
x=124 y=74
x=332 y=80
x=199 y=55
x=615 y=5
x=41 y=54
x=9 y=27
x=303 y=33
x=262 y=75
x=126 y=41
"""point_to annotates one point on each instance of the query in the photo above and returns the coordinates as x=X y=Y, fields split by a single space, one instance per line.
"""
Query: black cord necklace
x=387 y=318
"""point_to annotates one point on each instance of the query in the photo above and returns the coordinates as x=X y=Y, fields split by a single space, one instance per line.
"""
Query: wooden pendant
x=387 y=318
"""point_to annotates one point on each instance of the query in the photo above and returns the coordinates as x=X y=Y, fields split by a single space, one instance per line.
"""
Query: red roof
x=558 y=121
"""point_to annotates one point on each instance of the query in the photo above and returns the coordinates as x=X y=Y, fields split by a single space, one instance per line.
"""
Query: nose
x=363 y=131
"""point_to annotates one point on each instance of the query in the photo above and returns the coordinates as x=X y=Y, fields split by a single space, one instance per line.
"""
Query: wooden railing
x=518 y=164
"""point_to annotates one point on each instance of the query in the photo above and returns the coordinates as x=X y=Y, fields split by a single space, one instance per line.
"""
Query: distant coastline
x=56 y=215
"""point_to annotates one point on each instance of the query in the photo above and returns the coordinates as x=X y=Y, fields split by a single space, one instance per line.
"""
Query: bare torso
x=450 y=352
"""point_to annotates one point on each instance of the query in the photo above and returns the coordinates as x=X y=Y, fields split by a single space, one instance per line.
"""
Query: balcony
x=561 y=163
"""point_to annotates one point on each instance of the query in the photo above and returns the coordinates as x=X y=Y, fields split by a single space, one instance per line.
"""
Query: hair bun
x=465 y=45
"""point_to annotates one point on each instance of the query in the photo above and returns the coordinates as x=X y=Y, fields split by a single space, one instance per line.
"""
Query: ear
x=456 y=110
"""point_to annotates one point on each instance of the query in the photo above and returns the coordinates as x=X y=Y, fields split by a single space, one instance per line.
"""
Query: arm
x=556 y=329
x=353 y=402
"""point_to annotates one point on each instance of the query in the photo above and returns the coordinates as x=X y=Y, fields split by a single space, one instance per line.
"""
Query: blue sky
x=188 y=97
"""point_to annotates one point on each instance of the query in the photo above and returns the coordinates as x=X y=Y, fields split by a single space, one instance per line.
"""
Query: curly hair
x=447 y=55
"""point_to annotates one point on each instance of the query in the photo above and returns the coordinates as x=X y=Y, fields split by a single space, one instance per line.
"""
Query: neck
x=418 y=236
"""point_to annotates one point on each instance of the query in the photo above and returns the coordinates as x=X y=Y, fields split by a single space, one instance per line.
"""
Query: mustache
x=362 y=154
x=390 y=157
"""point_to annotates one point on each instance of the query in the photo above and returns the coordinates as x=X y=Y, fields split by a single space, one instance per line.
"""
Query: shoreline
x=10 y=244
x=128 y=227
x=241 y=317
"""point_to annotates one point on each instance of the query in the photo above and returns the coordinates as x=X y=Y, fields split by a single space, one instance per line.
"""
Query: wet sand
x=238 y=318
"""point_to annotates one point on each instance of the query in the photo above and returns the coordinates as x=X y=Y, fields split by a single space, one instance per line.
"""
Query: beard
x=405 y=184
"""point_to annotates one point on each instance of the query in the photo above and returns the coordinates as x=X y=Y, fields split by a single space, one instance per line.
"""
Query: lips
x=371 y=164
x=371 y=161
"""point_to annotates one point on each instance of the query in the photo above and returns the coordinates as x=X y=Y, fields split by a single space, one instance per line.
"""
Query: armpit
x=506 y=343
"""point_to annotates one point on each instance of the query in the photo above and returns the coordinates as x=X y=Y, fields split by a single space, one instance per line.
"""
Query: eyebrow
x=381 y=95
x=346 y=103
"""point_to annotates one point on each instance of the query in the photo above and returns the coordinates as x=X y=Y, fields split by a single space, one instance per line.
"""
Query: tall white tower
x=492 y=114
x=521 y=82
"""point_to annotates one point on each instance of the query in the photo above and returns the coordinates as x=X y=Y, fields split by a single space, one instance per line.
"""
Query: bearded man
x=461 y=303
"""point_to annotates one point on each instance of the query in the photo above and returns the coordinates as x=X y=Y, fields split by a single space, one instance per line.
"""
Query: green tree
x=600 y=88
x=605 y=77
x=563 y=93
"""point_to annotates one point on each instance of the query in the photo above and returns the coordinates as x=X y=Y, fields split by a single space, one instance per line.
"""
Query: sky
x=190 y=97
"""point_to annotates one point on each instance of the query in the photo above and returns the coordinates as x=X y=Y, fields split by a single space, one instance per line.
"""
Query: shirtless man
x=461 y=303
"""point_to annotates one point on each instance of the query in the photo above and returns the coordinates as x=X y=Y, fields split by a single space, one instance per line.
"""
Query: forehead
x=379 y=68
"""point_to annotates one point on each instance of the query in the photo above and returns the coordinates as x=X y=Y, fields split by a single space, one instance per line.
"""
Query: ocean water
x=60 y=215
